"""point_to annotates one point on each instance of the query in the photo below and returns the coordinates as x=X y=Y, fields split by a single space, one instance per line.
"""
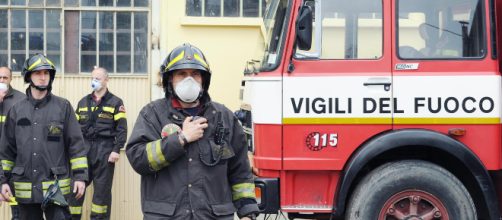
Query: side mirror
x=304 y=28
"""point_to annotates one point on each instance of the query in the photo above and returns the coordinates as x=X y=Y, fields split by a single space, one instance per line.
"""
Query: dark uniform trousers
x=101 y=173
x=52 y=212
x=12 y=97
x=104 y=127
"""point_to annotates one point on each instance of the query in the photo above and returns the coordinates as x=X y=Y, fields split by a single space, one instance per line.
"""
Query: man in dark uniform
x=103 y=122
x=42 y=142
x=8 y=96
x=190 y=151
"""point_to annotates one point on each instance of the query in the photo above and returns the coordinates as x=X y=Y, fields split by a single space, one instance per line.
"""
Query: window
x=441 y=29
x=345 y=29
x=108 y=33
x=225 y=8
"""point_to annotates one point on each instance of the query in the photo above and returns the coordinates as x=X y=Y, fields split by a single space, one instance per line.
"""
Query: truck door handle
x=386 y=85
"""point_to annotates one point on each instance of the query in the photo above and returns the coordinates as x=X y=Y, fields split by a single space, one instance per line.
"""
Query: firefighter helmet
x=185 y=56
x=38 y=62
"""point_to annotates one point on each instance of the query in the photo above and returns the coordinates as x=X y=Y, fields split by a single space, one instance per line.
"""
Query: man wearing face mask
x=102 y=118
x=8 y=96
x=42 y=142
x=190 y=151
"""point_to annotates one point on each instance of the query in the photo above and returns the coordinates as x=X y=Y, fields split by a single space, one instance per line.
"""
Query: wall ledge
x=221 y=21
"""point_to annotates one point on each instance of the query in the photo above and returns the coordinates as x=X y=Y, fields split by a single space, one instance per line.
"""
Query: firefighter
x=8 y=96
x=444 y=46
x=102 y=119
x=189 y=150
x=41 y=142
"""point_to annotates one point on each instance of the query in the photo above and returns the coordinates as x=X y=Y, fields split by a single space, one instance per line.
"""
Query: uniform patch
x=122 y=108
x=169 y=129
x=54 y=130
x=105 y=115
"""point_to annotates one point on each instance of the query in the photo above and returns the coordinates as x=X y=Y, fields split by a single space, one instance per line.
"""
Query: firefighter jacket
x=205 y=179
x=9 y=100
x=41 y=139
x=106 y=120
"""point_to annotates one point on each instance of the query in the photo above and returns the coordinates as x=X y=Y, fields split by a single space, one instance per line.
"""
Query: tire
x=410 y=189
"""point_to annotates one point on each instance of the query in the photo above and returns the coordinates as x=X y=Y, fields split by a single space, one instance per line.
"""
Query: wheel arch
x=424 y=145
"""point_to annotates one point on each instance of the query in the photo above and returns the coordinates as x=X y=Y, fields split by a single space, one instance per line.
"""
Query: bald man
x=103 y=122
x=8 y=97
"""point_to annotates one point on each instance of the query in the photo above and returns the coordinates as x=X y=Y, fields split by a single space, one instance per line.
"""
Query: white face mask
x=188 y=89
x=95 y=84
x=3 y=87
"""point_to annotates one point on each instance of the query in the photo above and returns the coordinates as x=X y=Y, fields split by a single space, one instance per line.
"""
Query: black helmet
x=185 y=56
x=38 y=62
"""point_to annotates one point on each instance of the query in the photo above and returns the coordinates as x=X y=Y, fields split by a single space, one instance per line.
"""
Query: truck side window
x=345 y=29
x=437 y=29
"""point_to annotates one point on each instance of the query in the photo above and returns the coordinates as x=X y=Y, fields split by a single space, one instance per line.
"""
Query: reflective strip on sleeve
x=7 y=165
x=76 y=210
x=2 y=118
x=79 y=162
x=108 y=109
x=243 y=190
x=13 y=201
x=23 y=194
x=155 y=156
x=22 y=186
x=78 y=116
x=119 y=115
x=99 y=209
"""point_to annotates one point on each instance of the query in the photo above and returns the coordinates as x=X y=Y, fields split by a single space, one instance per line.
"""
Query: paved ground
x=269 y=217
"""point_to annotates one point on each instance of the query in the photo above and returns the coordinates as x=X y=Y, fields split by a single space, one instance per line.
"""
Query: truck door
x=445 y=76
x=337 y=96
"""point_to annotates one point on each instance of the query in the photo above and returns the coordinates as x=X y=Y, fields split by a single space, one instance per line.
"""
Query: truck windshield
x=274 y=25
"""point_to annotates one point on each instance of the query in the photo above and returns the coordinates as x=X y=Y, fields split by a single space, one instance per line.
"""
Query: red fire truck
x=378 y=109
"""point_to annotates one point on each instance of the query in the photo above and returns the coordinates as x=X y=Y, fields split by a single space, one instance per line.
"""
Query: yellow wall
x=227 y=43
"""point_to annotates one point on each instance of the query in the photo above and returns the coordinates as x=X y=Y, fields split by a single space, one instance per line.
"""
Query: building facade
x=129 y=38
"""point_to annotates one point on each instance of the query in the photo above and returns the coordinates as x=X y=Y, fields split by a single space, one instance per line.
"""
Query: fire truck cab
x=378 y=109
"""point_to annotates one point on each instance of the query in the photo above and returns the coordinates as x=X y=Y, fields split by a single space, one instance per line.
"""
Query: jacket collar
x=10 y=92
x=105 y=97
x=38 y=102
x=177 y=114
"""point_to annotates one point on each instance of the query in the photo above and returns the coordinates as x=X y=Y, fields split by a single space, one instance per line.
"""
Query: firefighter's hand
x=6 y=192
x=194 y=130
x=114 y=157
x=79 y=189
x=245 y=218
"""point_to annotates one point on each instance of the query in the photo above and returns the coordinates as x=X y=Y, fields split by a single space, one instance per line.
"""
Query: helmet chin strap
x=41 y=88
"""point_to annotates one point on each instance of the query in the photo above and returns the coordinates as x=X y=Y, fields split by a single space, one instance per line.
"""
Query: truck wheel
x=412 y=190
